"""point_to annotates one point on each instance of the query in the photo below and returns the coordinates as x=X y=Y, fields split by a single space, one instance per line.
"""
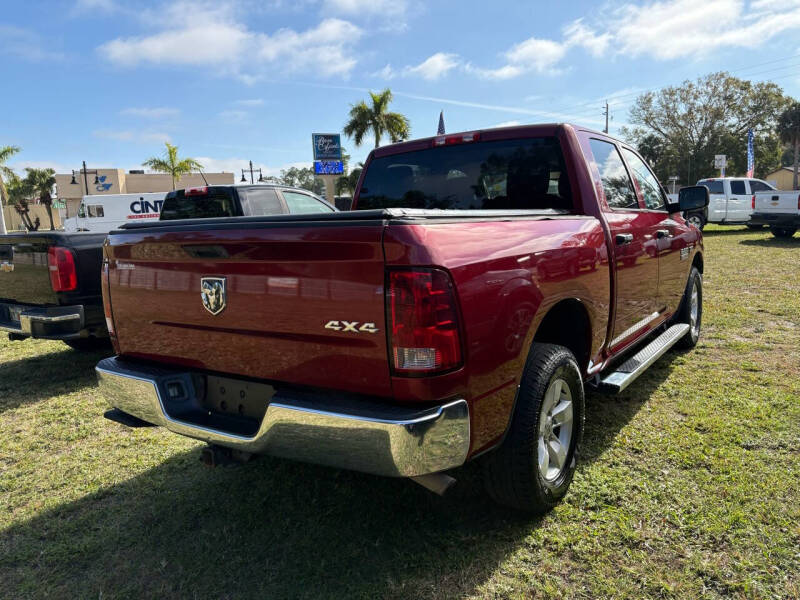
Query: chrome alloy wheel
x=694 y=309
x=555 y=430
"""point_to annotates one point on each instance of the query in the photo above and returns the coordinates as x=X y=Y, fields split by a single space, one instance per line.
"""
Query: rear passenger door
x=738 y=208
x=635 y=250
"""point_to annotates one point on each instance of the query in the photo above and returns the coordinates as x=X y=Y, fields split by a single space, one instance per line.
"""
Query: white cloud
x=355 y=8
x=26 y=44
x=211 y=36
x=250 y=103
x=136 y=137
x=578 y=34
x=533 y=55
x=435 y=66
x=160 y=112
x=234 y=116
x=386 y=72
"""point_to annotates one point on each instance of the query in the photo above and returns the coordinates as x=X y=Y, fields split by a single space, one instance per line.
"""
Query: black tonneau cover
x=355 y=216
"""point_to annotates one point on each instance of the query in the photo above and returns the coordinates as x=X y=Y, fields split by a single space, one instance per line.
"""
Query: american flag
x=440 y=131
x=751 y=159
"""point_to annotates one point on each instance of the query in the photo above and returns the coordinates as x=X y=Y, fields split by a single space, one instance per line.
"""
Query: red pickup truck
x=481 y=281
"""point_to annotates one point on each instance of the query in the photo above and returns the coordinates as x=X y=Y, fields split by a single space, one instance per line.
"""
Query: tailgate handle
x=775 y=198
x=623 y=238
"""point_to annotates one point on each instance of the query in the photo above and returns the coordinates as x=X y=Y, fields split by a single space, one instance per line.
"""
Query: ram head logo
x=212 y=291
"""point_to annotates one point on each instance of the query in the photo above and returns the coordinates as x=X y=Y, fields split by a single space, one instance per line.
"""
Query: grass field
x=689 y=485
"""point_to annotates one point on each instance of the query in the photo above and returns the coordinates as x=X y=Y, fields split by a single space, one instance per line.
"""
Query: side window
x=758 y=186
x=616 y=183
x=714 y=186
x=737 y=187
x=260 y=202
x=303 y=203
x=651 y=189
x=95 y=210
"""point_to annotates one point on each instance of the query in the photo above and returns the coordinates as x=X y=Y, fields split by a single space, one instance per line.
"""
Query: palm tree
x=171 y=164
x=789 y=132
x=41 y=182
x=6 y=152
x=377 y=119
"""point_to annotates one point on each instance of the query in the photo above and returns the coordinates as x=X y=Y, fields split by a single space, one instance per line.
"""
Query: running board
x=637 y=364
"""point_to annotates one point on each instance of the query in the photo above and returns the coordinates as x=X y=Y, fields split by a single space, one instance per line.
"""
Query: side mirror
x=690 y=198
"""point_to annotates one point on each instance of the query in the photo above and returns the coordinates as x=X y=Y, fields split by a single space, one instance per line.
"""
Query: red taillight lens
x=753 y=202
x=423 y=321
x=461 y=138
x=196 y=191
x=63 y=276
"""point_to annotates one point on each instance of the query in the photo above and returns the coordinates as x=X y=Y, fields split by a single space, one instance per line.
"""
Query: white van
x=102 y=213
x=730 y=201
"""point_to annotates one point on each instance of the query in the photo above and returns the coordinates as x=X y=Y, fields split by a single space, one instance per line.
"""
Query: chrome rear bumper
x=56 y=322
x=336 y=430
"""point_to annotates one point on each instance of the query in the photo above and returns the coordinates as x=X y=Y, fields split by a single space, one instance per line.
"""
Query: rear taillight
x=753 y=202
x=63 y=276
x=422 y=321
x=461 y=138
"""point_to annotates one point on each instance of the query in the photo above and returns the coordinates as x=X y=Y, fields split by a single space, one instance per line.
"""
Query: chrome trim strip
x=634 y=328
x=368 y=436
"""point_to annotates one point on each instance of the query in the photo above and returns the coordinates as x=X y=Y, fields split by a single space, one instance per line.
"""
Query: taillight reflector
x=424 y=333
x=196 y=191
x=63 y=276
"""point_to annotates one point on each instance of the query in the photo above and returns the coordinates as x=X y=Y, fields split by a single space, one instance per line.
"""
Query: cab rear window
x=714 y=186
x=213 y=203
x=507 y=174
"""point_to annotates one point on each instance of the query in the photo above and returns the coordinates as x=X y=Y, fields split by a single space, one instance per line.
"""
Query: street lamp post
x=85 y=180
x=251 y=170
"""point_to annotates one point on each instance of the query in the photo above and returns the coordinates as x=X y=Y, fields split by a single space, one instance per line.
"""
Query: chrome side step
x=637 y=364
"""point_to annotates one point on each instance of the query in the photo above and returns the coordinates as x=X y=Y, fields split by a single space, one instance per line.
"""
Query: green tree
x=19 y=196
x=376 y=119
x=683 y=127
x=6 y=173
x=40 y=182
x=789 y=132
x=172 y=164
x=346 y=184
x=302 y=178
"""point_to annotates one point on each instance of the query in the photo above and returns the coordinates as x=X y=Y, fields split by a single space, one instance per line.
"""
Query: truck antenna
x=203 y=176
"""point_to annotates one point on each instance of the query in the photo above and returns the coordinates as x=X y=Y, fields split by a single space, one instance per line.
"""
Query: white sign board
x=720 y=161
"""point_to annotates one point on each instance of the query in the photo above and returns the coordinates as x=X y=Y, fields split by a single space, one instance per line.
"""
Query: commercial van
x=102 y=213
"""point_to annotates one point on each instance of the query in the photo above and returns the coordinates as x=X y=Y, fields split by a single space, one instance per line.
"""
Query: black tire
x=754 y=227
x=511 y=472
x=783 y=232
x=684 y=314
x=697 y=219
x=89 y=344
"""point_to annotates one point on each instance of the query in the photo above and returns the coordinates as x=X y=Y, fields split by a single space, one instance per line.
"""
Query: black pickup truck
x=50 y=287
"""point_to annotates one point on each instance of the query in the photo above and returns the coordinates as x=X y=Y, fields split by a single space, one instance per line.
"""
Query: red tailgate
x=283 y=285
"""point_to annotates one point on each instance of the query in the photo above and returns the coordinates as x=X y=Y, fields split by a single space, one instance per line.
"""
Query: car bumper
x=790 y=220
x=336 y=430
x=51 y=323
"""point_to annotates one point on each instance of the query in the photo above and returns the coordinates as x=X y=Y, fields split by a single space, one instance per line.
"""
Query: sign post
x=720 y=162
x=328 y=163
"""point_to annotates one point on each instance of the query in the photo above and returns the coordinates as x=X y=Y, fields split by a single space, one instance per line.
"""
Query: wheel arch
x=568 y=323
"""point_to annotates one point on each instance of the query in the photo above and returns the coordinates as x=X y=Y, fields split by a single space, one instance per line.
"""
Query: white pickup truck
x=730 y=201
x=780 y=211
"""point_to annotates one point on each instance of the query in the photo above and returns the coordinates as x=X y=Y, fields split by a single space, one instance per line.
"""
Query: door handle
x=623 y=238
x=662 y=233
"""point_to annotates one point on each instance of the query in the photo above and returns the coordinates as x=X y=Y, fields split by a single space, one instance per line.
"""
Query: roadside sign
x=720 y=161
x=327 y=146
x=328 y=167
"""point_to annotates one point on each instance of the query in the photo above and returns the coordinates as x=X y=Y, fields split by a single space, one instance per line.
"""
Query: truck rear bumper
x=776 y=219
x=336 y=430
x=52 y=323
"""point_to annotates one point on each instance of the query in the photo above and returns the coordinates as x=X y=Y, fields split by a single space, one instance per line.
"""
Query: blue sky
x=107 y=81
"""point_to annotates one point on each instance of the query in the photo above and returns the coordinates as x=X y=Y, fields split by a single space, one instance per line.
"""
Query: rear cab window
x=512 y=174
x=714 y=185
x=199 y=203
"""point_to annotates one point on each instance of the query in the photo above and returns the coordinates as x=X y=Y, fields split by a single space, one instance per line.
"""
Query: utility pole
x=605 y=112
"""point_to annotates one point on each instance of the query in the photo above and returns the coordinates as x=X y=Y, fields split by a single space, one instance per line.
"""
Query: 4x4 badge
x=212 y=291
x=352 y=327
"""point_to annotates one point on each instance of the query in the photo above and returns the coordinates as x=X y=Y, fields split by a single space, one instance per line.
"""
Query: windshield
x=216 y=202
x=507 y=174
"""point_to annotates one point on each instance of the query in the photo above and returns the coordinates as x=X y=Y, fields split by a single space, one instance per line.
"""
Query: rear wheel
x=691 y=310
x=697 y=220
x=783 y=232
x=533 y=467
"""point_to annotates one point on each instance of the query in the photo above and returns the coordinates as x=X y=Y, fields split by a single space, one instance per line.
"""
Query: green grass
x=689 y=485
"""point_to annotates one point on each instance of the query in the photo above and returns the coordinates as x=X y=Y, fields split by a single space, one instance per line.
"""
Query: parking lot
x=689 y=485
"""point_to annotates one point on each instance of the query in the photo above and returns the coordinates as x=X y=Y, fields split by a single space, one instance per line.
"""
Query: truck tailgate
x=283 y=283
x=778 y=202
x=24 y=272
